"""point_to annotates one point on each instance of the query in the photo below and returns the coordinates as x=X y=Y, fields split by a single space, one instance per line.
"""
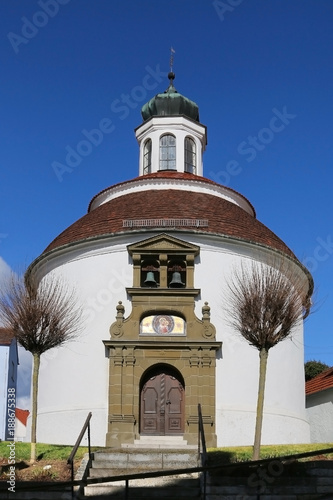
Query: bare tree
x=41 y=317
x=267 y=300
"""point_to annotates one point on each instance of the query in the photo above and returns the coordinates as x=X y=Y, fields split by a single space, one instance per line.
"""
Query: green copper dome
x=170 y=103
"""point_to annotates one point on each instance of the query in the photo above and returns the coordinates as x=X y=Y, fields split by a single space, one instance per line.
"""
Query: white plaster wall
x=319 y=409
x=20 y=430
x=74 y=378
x=237 y=370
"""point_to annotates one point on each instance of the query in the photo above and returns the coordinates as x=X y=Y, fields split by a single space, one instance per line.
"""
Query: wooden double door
x=162 y=404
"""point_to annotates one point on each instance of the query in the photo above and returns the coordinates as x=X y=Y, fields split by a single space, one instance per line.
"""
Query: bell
x=176 y=281
x=150 y=280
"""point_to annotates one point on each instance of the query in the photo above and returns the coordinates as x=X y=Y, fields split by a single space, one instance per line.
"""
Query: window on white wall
x=168 y=152
x=147 y=157
x=190 y=155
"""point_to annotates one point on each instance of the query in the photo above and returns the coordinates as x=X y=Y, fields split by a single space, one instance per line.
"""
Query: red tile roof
x=321 y=382
x=22 y=415
x=171 y=174
x=224 y=218
x=6 y=336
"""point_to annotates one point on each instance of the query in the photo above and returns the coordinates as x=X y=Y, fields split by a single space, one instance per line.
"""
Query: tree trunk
x=35 y=374
x=263 y=354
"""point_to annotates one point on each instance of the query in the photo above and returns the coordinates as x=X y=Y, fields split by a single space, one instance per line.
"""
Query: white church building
x=150 y=262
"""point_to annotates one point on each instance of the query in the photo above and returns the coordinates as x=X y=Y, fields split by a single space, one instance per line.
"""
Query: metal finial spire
x=172 y=52
x=171 y=75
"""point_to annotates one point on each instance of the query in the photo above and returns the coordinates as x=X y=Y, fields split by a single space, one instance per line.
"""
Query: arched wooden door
x=162 y=404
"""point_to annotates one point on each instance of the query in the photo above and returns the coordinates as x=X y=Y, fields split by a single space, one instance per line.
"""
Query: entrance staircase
x=148 y=454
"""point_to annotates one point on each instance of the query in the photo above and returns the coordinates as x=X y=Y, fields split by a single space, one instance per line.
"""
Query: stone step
x=130 y=461
x=145 y=459
x=166 y=442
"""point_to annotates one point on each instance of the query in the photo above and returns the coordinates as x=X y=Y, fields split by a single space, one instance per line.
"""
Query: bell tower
x=171 y=136
x=162 y=355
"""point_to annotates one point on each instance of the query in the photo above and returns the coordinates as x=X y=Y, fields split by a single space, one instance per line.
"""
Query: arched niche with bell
x=150 y=272
x=176 y=272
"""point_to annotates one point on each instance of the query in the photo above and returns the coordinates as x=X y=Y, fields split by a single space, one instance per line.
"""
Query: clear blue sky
x=67 y=65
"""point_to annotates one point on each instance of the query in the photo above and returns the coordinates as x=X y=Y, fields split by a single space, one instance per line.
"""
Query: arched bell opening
x=162 y=401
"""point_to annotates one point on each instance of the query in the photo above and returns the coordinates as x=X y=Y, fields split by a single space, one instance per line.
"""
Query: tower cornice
x=172 y=180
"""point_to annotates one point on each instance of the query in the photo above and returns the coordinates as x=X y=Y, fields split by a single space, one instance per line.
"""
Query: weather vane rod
x=172 y=52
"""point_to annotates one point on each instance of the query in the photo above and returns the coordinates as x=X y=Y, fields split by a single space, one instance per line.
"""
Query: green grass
x=244 y=453
x=44 y=451
x=230 y=454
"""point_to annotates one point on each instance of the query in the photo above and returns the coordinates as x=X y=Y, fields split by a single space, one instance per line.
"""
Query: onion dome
x=170 y=103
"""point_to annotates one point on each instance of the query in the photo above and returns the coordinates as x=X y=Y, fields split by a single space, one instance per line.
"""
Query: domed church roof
x=224 y=218
x=170 y=103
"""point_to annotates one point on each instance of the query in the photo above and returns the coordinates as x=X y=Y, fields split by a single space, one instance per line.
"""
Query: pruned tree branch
x=266 y=301
x=41 y=317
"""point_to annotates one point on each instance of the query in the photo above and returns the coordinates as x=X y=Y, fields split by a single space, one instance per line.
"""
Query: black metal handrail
x=202 y=449
x=70 y=460
x=201 y=438
x=142 y=475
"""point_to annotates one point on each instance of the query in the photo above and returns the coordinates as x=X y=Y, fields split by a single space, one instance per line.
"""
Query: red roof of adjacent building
x=321 y=382
x=224 y=217
x=22 y=415
x=6 y=336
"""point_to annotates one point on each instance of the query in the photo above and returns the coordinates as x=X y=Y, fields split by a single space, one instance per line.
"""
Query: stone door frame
x=129 y=361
